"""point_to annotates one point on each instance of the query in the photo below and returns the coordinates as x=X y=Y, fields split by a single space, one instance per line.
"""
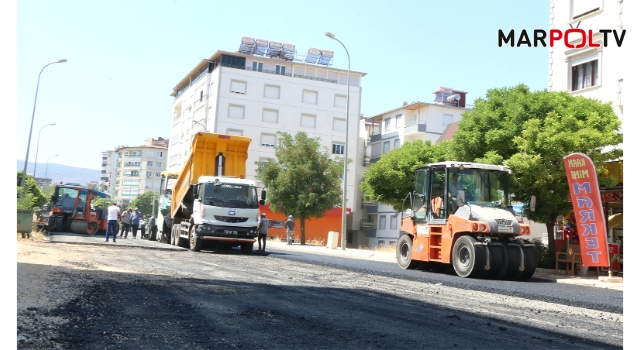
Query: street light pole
x=46 y=169
x=35 y=164
x=26 y=158
x=346 y=147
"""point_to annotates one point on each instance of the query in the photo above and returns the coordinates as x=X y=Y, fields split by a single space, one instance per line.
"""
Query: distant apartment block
x=432 y=121
x=129 y=171
x=262 y=88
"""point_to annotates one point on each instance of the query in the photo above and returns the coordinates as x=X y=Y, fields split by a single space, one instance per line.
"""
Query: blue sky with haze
x=124 y=57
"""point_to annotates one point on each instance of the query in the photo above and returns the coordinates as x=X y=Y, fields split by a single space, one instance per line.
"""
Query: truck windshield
x=485 y=187
x=230 y=195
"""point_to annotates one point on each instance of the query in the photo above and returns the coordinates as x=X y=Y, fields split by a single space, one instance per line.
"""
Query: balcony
x=415 y=128
x=369 y=202
x=367 y=225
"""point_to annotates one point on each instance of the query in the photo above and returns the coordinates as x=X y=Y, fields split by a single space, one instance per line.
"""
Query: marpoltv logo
x=540 y=35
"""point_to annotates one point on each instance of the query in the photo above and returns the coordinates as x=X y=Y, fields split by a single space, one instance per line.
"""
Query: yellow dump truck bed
x=203 y=161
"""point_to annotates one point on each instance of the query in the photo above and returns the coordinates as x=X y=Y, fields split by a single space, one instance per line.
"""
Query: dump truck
x=72 y=210
x=460 y=214
x=210 y=200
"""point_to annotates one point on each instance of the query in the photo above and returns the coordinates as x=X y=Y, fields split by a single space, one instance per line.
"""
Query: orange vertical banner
x=585 y=197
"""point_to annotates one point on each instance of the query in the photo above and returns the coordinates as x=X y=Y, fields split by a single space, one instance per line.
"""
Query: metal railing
x=412 y=123
x=367 y=224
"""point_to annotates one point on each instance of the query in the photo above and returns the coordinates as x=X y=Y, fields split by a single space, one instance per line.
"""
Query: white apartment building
x=589 y=72
x=130 y=171
x=380 y=223
x=263 y=88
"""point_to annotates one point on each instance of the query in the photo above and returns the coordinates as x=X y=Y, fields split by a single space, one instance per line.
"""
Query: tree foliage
x=390 y=179
x=531 y=132
x=30 y=196
x=144 y=202
x=303 y=180
x=102 y=202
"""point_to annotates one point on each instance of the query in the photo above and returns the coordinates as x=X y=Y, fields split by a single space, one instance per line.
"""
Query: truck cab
x=225 y=207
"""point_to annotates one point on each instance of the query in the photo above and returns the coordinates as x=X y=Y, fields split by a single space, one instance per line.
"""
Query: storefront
x=566 y=230
x=613 y=208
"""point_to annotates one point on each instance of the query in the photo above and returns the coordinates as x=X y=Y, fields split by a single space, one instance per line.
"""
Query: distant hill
x=64 y=173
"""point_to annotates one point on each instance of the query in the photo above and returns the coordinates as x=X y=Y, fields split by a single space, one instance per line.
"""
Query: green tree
x=144 y=202
x=30 y=196
x=102 y=203
x=390 y=179
x=531 y=132
x=303 y=180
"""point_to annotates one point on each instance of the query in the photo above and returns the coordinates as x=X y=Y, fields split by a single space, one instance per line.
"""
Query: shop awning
x=615 y=220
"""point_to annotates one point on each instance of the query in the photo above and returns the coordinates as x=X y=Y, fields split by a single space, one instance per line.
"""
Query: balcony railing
x=133 y=155
x=367 y=225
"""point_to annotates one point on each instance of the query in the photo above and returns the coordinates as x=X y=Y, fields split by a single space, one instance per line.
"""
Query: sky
x=125 y=57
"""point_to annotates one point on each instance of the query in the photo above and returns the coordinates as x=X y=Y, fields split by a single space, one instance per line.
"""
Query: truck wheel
x=403 y=253
x=195 y=242
x=180 y=242
x=246 y=248
x=530 y=262
x=468 y=258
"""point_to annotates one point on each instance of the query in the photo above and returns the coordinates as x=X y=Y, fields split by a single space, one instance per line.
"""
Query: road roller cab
x=73 y=210
x=461 y=214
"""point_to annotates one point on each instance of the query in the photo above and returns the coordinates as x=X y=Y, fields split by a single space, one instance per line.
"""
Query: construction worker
x=263 y=231
x=290 y=226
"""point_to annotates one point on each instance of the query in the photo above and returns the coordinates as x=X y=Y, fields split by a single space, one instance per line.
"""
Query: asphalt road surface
x=109 y=297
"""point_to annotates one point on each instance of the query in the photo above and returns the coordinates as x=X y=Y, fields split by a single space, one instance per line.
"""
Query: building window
x=385 y=147
x=268 y=140
x=339 y=124
x=447 y=119
x=269 y=116
x=393 y=222
x=349 y=237
x=380 y=243
x=398 y=121
x=340 y=101
x=201 y=95
x=257 y=66
x=310 y=97
x=387 y=124
x=383 y=222
x=262 y=162
x=581 y=8
x=157 y=174
x=280 y=69
x=396 y=143
x=159 y=164
x=149 y=163
x=158 y=154
x=148 y=174
x=584 y=73
x=337 y=148
x=239 y=87
x=271 y=91
x=236 y=112
x=150 y=153
x=235 y=132
x=308 y=120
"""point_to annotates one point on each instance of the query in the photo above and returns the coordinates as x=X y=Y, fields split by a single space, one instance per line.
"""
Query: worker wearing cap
x=263 y=230
x=290 y=225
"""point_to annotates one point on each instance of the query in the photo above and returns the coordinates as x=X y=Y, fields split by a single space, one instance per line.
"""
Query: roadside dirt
x=106 y=297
